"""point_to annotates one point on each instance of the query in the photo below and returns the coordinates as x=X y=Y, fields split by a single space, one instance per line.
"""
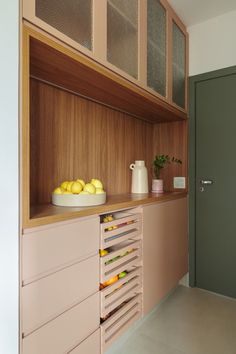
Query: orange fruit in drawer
x=111 y=281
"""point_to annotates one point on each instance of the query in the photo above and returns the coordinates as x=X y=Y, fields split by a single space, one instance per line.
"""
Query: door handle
x=206 y=182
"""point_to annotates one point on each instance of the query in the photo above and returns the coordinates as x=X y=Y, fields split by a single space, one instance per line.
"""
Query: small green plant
x=161 y=161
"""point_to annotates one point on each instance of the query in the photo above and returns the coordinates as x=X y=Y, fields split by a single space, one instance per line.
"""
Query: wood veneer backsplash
x=171 y=139
x=73 y=137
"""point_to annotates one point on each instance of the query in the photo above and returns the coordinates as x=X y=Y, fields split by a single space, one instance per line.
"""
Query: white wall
x=9 y=208
x=212 y=44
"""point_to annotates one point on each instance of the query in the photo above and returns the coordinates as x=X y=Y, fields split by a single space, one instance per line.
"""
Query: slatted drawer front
x=114 y=326
x=48 y=249
x=115 y=294
x=91 y=345
x=120 y=257
x=65 y=332
x=125 y=226
x=46 y=298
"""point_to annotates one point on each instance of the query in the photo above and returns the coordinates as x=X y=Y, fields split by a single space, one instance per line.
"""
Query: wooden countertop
x=47 y=214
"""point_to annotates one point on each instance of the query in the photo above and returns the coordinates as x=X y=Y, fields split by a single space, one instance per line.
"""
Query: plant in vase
x=159 y=163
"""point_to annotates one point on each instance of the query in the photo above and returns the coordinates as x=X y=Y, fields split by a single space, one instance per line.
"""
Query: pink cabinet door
x=47 y=249
x=165 y=249
x=65 y=332
x=48 y=297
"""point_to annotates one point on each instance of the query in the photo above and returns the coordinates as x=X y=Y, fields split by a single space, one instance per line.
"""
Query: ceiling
x=192 y=12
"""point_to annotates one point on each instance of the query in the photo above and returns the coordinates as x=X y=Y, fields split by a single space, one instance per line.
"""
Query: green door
x=215 y=247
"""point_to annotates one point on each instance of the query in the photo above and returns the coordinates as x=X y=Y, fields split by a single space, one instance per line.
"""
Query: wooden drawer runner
x=120 y=258
x=115 y=325
x=91 y=345
x=47 y=249
x=114 y=295
x=48 y=297
x=125 y=226
x=65 y=332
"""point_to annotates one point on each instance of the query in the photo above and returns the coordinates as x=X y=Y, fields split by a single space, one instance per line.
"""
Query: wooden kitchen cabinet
x=60 y=304
x=141 y=40
x=87 y=100
x=165 y=249
x=80 y=99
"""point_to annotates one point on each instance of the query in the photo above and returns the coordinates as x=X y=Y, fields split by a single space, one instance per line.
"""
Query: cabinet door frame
x=166 y=97
x=172 y=17
x=29 y=13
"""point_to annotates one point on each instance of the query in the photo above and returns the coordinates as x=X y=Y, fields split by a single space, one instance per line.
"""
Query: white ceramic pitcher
x=139 y=177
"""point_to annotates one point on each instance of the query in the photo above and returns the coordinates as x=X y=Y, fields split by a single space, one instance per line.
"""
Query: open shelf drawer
x=124 y=226
x=121 y=257
x=115 y=325
x=114 y=295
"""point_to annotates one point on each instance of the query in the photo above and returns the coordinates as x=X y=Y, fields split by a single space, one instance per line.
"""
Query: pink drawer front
x=63 y=334
x=91 y=345
x=120 y=258
x=48 y=297
x=118 y=323
x=125 y=288
x=49 y=248
x=125 y=226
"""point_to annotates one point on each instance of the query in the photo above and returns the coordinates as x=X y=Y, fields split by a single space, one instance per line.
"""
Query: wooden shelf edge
x=47 y=214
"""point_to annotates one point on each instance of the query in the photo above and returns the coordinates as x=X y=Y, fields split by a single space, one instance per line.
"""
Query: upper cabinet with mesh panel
x=157 y=47
x=141 y=40
x=70 y=21
x=178 y=65
x=73 y=18
x=122 y=35
x=167 y=59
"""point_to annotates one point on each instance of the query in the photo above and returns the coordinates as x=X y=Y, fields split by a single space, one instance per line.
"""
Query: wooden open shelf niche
x=81 y=120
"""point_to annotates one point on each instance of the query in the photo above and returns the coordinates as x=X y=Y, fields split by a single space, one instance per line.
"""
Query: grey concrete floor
x=190 y=321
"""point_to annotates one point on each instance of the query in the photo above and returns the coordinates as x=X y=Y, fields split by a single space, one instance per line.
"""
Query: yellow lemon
x=89 y=187
x=81 y=181
x=97 y=183
x=58 y=190
x=84 y=192
x=103 y=253
x=64 y=185
x=69 y=185
x=99 y=191
x=76 y=188
x=66 y=192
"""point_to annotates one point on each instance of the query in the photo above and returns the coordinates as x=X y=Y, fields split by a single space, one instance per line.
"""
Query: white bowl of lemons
x=79 y=194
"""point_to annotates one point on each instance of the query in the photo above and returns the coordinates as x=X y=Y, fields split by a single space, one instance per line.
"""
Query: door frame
x=193 y=80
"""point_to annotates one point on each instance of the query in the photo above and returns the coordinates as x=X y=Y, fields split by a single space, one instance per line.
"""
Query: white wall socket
x=179 y=182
